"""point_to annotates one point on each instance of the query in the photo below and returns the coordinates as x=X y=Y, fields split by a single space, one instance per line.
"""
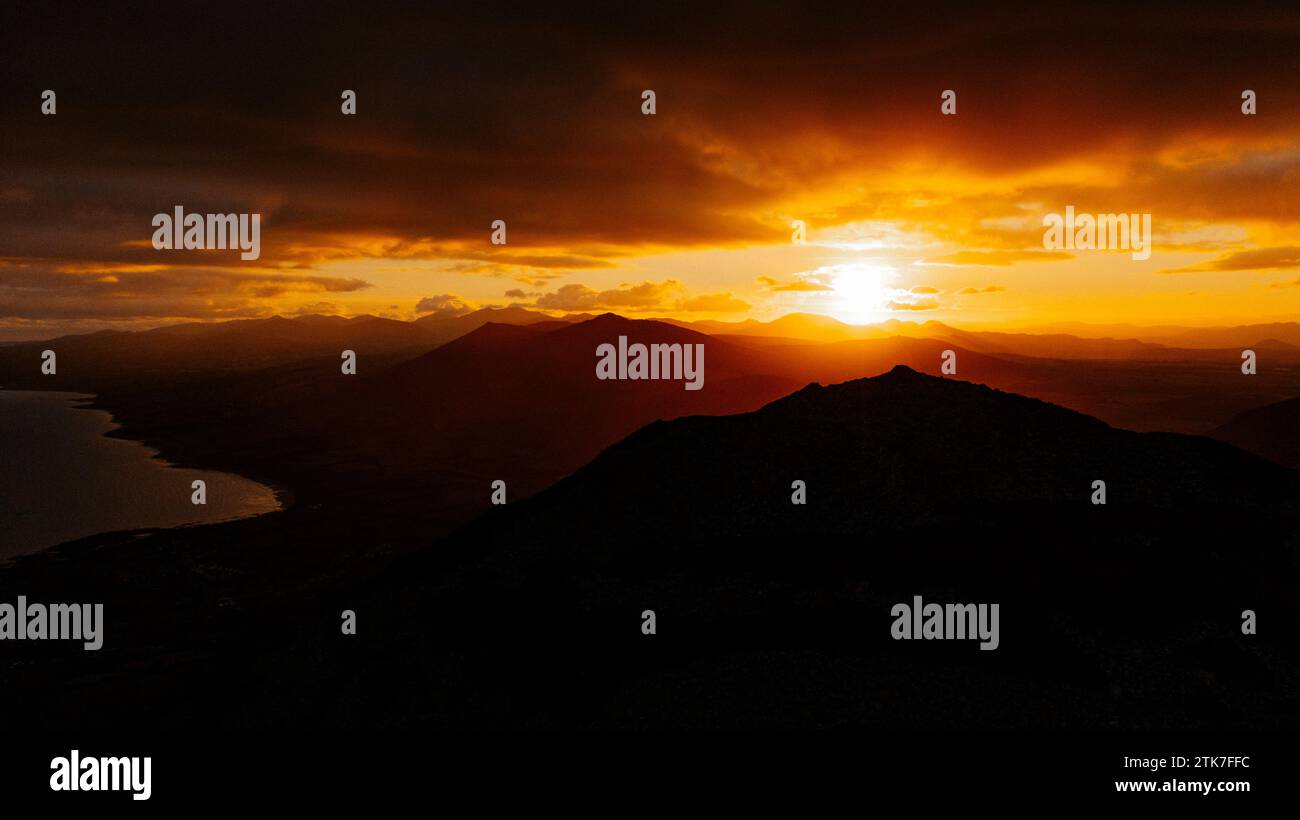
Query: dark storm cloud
x=483 y=112
x=534 y=118
x=37 y=290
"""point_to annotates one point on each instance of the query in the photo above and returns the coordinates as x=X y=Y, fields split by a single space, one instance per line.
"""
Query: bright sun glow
x=862 y=293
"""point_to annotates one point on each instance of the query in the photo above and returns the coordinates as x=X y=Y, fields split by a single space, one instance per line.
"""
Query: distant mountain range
x=443 y=329
x=528 y=394
x=634 y=496
x=1061 y=340
x=497 y=384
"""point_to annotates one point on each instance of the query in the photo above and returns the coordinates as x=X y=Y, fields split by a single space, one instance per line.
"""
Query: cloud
x=803 y=286
x=583 y=184
x=43 y=291
x=332 y=187
x=444 y=304
x=989 y=289
x=669 y=295
x=1279 y=258
x=321 y=308
x=714 y=303
x=642 y=297
x=923 y=305
x=1000 y=258
x=811 y=282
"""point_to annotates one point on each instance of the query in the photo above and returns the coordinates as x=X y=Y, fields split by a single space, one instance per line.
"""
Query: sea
x=62 y=478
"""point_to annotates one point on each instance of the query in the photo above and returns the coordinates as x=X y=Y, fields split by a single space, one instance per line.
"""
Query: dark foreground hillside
x=1125 y=615
x=769 y=613
x=1272 y=431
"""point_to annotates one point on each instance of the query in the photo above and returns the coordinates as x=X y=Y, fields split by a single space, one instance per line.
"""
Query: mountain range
x=1123 y=613
x=511 y=394
x=633 y=496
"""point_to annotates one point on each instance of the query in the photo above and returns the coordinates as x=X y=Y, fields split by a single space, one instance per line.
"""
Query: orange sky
x=762 y=119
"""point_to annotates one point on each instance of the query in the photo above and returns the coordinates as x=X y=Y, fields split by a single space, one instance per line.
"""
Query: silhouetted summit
x=915 y=485
x=528 y=397
x=893 y=451
x=901 y=371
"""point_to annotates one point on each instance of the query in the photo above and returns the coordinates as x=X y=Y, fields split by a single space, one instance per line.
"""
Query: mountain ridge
x=915 y=485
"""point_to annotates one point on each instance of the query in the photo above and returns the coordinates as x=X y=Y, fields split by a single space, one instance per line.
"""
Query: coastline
x=282 y=495
x=172 y=454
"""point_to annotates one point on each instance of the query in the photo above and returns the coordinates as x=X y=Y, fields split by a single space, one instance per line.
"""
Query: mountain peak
x=902 y=371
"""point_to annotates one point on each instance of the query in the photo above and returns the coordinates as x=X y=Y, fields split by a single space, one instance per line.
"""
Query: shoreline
x=164 y=456
x=284 y=494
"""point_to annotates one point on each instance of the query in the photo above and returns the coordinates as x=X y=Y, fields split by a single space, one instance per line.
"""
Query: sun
x=861 y=293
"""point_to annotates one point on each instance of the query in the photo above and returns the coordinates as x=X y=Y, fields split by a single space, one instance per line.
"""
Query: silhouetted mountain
x=1272 y=431
x=841 y=361
x=529 y=395
x=807 y=326
x=1241 y=336
x=1275 y=345
x=446 y=328
x=1052 y=346
x=1172 y=344
x=1236 y=336
x=320 y=319
x=91 y=362
x=97 y=360
x=1122 y=614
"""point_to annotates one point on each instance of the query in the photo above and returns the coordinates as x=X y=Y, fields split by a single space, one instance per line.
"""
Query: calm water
x=62 y=479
